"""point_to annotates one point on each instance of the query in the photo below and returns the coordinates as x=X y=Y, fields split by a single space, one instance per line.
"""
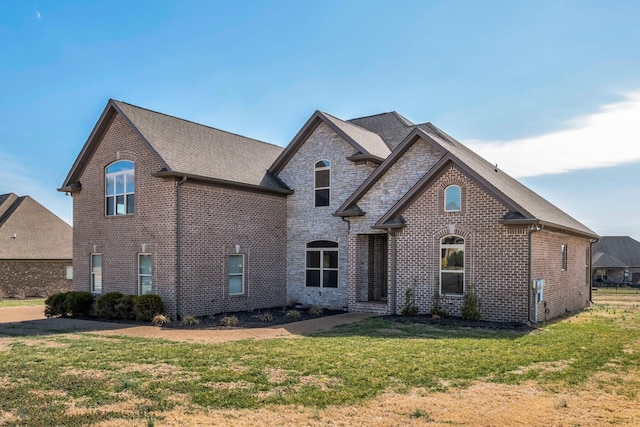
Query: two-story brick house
x=351 y=214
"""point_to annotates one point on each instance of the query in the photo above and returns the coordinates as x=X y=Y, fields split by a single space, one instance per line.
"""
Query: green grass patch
x=83 y=378
x=21 y=302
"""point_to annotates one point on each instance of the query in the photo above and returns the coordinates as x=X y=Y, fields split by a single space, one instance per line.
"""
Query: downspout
x=531 y=296
x=179 y=245
x=591 y=270
x=393 y=271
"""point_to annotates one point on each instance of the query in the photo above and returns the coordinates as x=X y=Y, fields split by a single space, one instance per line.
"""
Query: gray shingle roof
x=371 y=142
x=616 y=251
x=195 y=149
x=392 y=127
x=28 y=231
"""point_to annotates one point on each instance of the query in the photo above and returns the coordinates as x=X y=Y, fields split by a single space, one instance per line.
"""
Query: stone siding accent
x=306 y=223
x=215 y=220
x=33 y=278
x=395 y=182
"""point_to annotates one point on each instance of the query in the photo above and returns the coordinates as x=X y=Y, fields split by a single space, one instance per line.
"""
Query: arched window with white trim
x=452 y=265
x=452 y=198
x=322 y=183
x=120 y=188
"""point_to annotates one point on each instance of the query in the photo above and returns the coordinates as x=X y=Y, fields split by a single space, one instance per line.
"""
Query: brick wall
x=215 y=220
x=33 y=278
x=306 y=223
x=151 y=229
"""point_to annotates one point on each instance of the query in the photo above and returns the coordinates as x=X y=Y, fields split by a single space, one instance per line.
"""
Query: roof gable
x=186 y=148
x=616 y=251
x=30 y=231
x=364 y=142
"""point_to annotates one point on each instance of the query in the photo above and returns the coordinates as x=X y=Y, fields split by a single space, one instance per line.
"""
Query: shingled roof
x=526 y=206
x=186 y=148
x=616 y=252
x=29 y=231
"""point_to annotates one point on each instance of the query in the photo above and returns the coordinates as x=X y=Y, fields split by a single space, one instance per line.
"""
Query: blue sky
x=548 y=89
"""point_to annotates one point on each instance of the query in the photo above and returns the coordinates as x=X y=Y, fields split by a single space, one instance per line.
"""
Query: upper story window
x=120 y=188
x=452 y=265
x=322 y=264
x=452 y=198
x=322 y=178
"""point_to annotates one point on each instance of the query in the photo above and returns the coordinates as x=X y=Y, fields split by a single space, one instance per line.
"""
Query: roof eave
x=550 y=226
x=222 y=182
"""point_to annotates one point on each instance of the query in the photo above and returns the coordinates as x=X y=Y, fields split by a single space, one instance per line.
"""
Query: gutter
x=591 y=270
x=179 y=245
x=393 y=270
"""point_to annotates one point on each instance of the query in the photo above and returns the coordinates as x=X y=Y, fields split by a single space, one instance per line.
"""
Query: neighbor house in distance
x=36 y=249
x=616 y=260
x=372 y=214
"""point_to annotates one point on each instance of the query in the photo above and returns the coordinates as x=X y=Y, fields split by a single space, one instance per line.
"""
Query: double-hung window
x=322 y=182
x=452 y=265
x=322 y=264
x=96 y=273
x=120 y=188
x=145 y=267
x=236 y=274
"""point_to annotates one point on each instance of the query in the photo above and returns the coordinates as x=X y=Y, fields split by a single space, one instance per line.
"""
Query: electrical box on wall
x=538 y=286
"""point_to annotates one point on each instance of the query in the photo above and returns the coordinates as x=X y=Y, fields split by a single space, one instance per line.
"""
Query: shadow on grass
x=56 y=325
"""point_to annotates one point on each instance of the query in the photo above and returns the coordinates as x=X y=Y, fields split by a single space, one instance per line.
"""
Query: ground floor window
x=236 y=274
x=563 y=251
x=322 y=264
x=96 y=273
x=145 y=262
x=452 y=265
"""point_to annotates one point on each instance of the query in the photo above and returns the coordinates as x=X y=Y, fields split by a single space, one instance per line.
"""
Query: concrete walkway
x=31 y=321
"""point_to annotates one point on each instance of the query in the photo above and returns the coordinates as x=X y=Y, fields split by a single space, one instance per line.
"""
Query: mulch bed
x=458 y=322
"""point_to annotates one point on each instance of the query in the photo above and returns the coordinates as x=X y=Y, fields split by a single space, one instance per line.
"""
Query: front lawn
x=82 y=379
x=21 y=302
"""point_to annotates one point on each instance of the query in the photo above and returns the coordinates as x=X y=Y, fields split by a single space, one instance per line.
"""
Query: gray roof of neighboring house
x=28 y=231
x=192 y=149
x=616 y=252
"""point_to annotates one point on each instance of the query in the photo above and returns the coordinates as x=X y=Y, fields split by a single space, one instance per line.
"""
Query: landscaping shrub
x=190 y=321
x=471 y=305
x=124 y=307
x=106 y=305
x=293 y=313
x=315 y=310
x=160 y=319
x=146 y=307
x=409 y=308
x=229 y=321
x=437 y=310
x=266 y=317
x=54 y=305
x=78 y=303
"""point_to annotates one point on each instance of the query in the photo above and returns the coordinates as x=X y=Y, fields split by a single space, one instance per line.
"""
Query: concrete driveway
x=31 y=321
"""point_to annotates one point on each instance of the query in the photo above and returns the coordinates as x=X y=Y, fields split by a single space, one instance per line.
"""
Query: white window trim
x=445 y=199
x=464 y=266
x=236 y=274
x=93 y=274
x=140 y=275
x=315 y=186
x=115 y=193
x=321 y=269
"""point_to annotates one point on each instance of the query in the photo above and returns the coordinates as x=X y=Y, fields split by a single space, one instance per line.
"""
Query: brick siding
x=33 y=278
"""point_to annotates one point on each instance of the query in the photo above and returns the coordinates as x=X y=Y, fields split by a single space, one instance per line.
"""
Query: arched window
x=452 y=265
x=452 y=198
x=120 y=188
x=322 y=182
x=322 y=264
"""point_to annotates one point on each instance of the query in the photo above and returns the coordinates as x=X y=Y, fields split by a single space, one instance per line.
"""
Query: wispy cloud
x=607 y=138
x=38 y=14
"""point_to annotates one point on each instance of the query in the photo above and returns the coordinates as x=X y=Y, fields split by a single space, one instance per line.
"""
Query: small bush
x=437 y=310
x=78 y=303
x=160 y=319
x=145 y=307
x=266 y=317
x=409 y=308
x=293 y=313
x=229 y=321
x=54 y=305
x=315 y=310
x=106 y=305
x=471 y=305
x=124 y=307
x=190 y=321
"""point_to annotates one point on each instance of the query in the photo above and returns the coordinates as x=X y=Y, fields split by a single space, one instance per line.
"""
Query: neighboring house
x=353 y=215
x=616 y=259
x=35 y=254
